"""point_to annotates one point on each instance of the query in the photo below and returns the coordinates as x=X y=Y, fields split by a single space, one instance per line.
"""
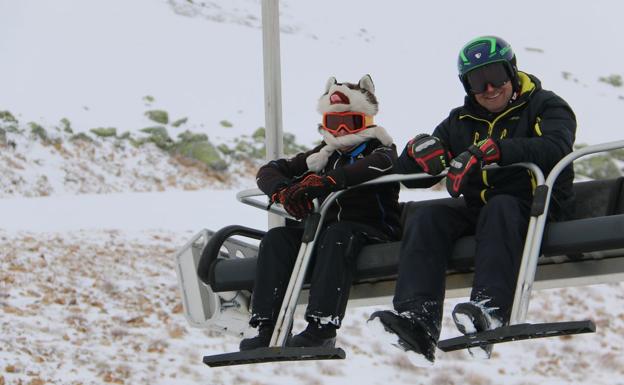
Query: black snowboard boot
x=315 y=335
x=262 y=340
x=474 y=317
x=414 y=333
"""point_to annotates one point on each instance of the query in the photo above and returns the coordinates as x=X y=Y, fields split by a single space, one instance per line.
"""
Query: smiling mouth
x=494 y=96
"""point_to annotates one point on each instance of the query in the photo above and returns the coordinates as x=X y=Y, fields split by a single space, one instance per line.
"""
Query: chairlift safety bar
x=295 y=284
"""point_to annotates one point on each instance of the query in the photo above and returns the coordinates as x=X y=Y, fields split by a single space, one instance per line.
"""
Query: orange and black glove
x=468 y=163
x=315 y=186
x=297 y=198
x=297 y=208
x=429 y=153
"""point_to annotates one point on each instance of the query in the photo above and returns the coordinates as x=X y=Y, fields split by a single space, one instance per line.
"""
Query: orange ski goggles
x=352 y=122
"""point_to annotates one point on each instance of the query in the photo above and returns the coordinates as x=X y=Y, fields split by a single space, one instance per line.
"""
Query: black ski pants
x=331 y=270
x=429 y=236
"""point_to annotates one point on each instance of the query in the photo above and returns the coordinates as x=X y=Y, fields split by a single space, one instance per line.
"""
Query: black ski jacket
x=538 y=127
x=377 y=205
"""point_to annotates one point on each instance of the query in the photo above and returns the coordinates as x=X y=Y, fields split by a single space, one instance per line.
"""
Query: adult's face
x=491 y=86
x=495 y=99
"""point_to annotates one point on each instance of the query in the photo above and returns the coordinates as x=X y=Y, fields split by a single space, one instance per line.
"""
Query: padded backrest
x=598 y=198
x=594 y=198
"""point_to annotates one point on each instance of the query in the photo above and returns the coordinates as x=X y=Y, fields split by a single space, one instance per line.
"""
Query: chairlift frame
x=219 y=314
x=226 y=310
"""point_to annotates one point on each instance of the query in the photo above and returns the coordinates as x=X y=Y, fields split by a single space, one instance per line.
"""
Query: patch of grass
x=198 y=147
x=38 y=131
x=188 y=136
x=534 y=49
x=259 y=135
x=104 y=132
x=245 y=149
x=125 y=136
x=615 y=80
x=155 y=130
x=8 y=117
x=66 y=126
x=159 y=136
x=179 y=122
x=8 y=122
x=225 y=150
x=158 y=116
x=81 y=136
x=290 y=145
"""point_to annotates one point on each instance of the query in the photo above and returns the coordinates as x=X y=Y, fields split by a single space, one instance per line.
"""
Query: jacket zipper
x=491 y=125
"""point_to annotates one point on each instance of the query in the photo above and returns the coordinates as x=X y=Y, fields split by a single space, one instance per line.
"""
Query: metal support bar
x=272 y=87
x=284 y=319
x=535 y=232
x=524 y=277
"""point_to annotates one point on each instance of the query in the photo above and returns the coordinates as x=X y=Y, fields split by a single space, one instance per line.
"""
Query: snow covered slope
x=96 y=307
x=31 y=167
x=88 y=293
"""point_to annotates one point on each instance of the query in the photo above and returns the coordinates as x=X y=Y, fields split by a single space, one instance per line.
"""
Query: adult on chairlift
x=506 y=118
x=354 y=150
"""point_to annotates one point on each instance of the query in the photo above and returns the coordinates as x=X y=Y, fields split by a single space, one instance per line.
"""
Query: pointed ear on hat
x=367 y=83
x=330 y=82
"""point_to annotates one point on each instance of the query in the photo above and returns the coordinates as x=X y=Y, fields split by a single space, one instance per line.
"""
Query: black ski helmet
x=485 y=50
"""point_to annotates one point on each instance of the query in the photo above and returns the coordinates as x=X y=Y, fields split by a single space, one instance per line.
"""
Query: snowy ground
x=103 y=306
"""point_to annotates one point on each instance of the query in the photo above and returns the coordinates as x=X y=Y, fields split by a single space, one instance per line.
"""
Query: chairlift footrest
x=274 y=354
x=515 y=333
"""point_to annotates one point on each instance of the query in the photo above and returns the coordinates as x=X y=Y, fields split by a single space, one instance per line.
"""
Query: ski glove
x=315 y=186
x=429 y=153
x=469 y=162
x=298 y=208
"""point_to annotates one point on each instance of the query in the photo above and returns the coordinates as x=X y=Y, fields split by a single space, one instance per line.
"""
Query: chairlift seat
x=596 y=231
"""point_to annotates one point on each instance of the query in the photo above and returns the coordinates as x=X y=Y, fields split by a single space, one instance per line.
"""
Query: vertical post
x=272 y=88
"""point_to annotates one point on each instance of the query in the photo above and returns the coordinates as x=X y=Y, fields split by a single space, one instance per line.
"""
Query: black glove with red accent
x=315 y=186
x=429 y=153
x=469 y=162
x=298 y=208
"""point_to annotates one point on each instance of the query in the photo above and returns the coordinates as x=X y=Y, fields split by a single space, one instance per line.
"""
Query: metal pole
x=272 y=88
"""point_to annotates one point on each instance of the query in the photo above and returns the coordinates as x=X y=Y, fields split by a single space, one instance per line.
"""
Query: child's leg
x=276 y=258
x=335 y=261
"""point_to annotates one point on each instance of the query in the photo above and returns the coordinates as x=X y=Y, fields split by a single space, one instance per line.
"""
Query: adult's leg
x=276 y=257
x=500 y=235
x=429 y=236
x=428 y=240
